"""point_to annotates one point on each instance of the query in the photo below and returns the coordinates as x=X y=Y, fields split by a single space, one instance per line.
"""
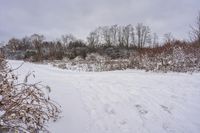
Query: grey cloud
x=56 y=17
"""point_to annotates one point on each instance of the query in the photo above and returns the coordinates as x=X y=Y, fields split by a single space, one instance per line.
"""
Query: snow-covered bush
x=177 y=58
x=95 y=57
x=62 y=65
x=24 y=107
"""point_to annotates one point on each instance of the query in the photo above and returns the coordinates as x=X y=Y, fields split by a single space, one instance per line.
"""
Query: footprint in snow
x=167 y=128
x=141 y=110
x=165 y=108
x=123 y=122
x=108 y=109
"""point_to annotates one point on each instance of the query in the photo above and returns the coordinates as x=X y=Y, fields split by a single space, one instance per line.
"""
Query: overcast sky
x=54 y=18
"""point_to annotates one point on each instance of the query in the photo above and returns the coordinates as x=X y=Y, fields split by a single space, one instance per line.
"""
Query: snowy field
x=121 y=101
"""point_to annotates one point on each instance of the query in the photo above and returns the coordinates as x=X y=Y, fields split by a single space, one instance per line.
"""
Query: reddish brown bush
x=24 y=107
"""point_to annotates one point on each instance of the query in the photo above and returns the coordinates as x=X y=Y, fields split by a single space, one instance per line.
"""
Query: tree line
x=106 y=36
x=113 y=41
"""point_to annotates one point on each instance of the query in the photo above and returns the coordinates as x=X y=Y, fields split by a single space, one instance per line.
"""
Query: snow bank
x=121 y=101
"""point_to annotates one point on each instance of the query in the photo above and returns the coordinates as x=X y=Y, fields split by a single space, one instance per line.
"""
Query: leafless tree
x=93 y=38
x=133 y=41
x=26 y=42
x=66 y=39
x=195 y=33
x=106 y=34
x=155 y=40
x=37 y=40
x=120 y=36
x=127 y=34
x=143 y=35
x=168 y=38
x=14 y=44
x=113 y=31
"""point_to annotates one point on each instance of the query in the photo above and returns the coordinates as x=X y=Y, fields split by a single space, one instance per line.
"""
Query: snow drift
x=121 y=101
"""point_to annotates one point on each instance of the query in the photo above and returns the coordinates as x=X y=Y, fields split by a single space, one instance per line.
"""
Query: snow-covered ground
x=121 y=101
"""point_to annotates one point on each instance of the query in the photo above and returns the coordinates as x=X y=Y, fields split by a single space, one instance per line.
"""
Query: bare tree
x=139 y=34
x=14 y=44
x=93 y=38
x=120 y=36
x=133 y=41
x=66 y=39
x=37 y=40
x=195 y=33
x=113 y=31
x=143 y=35
x=168 y=38
x=26 y=42
x=146 y=35
x=127 y=34
x=106 y=35
x=155 y=40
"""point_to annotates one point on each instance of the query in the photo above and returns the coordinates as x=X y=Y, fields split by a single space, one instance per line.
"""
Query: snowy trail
x=121 y=101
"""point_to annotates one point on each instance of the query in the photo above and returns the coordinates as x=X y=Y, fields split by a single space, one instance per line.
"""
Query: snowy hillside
x=121 y=101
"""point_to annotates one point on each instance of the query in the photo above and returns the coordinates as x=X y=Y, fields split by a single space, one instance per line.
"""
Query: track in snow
x=121 y=101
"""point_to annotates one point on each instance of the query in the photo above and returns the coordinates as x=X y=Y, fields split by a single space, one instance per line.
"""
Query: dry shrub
x=24 y=107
